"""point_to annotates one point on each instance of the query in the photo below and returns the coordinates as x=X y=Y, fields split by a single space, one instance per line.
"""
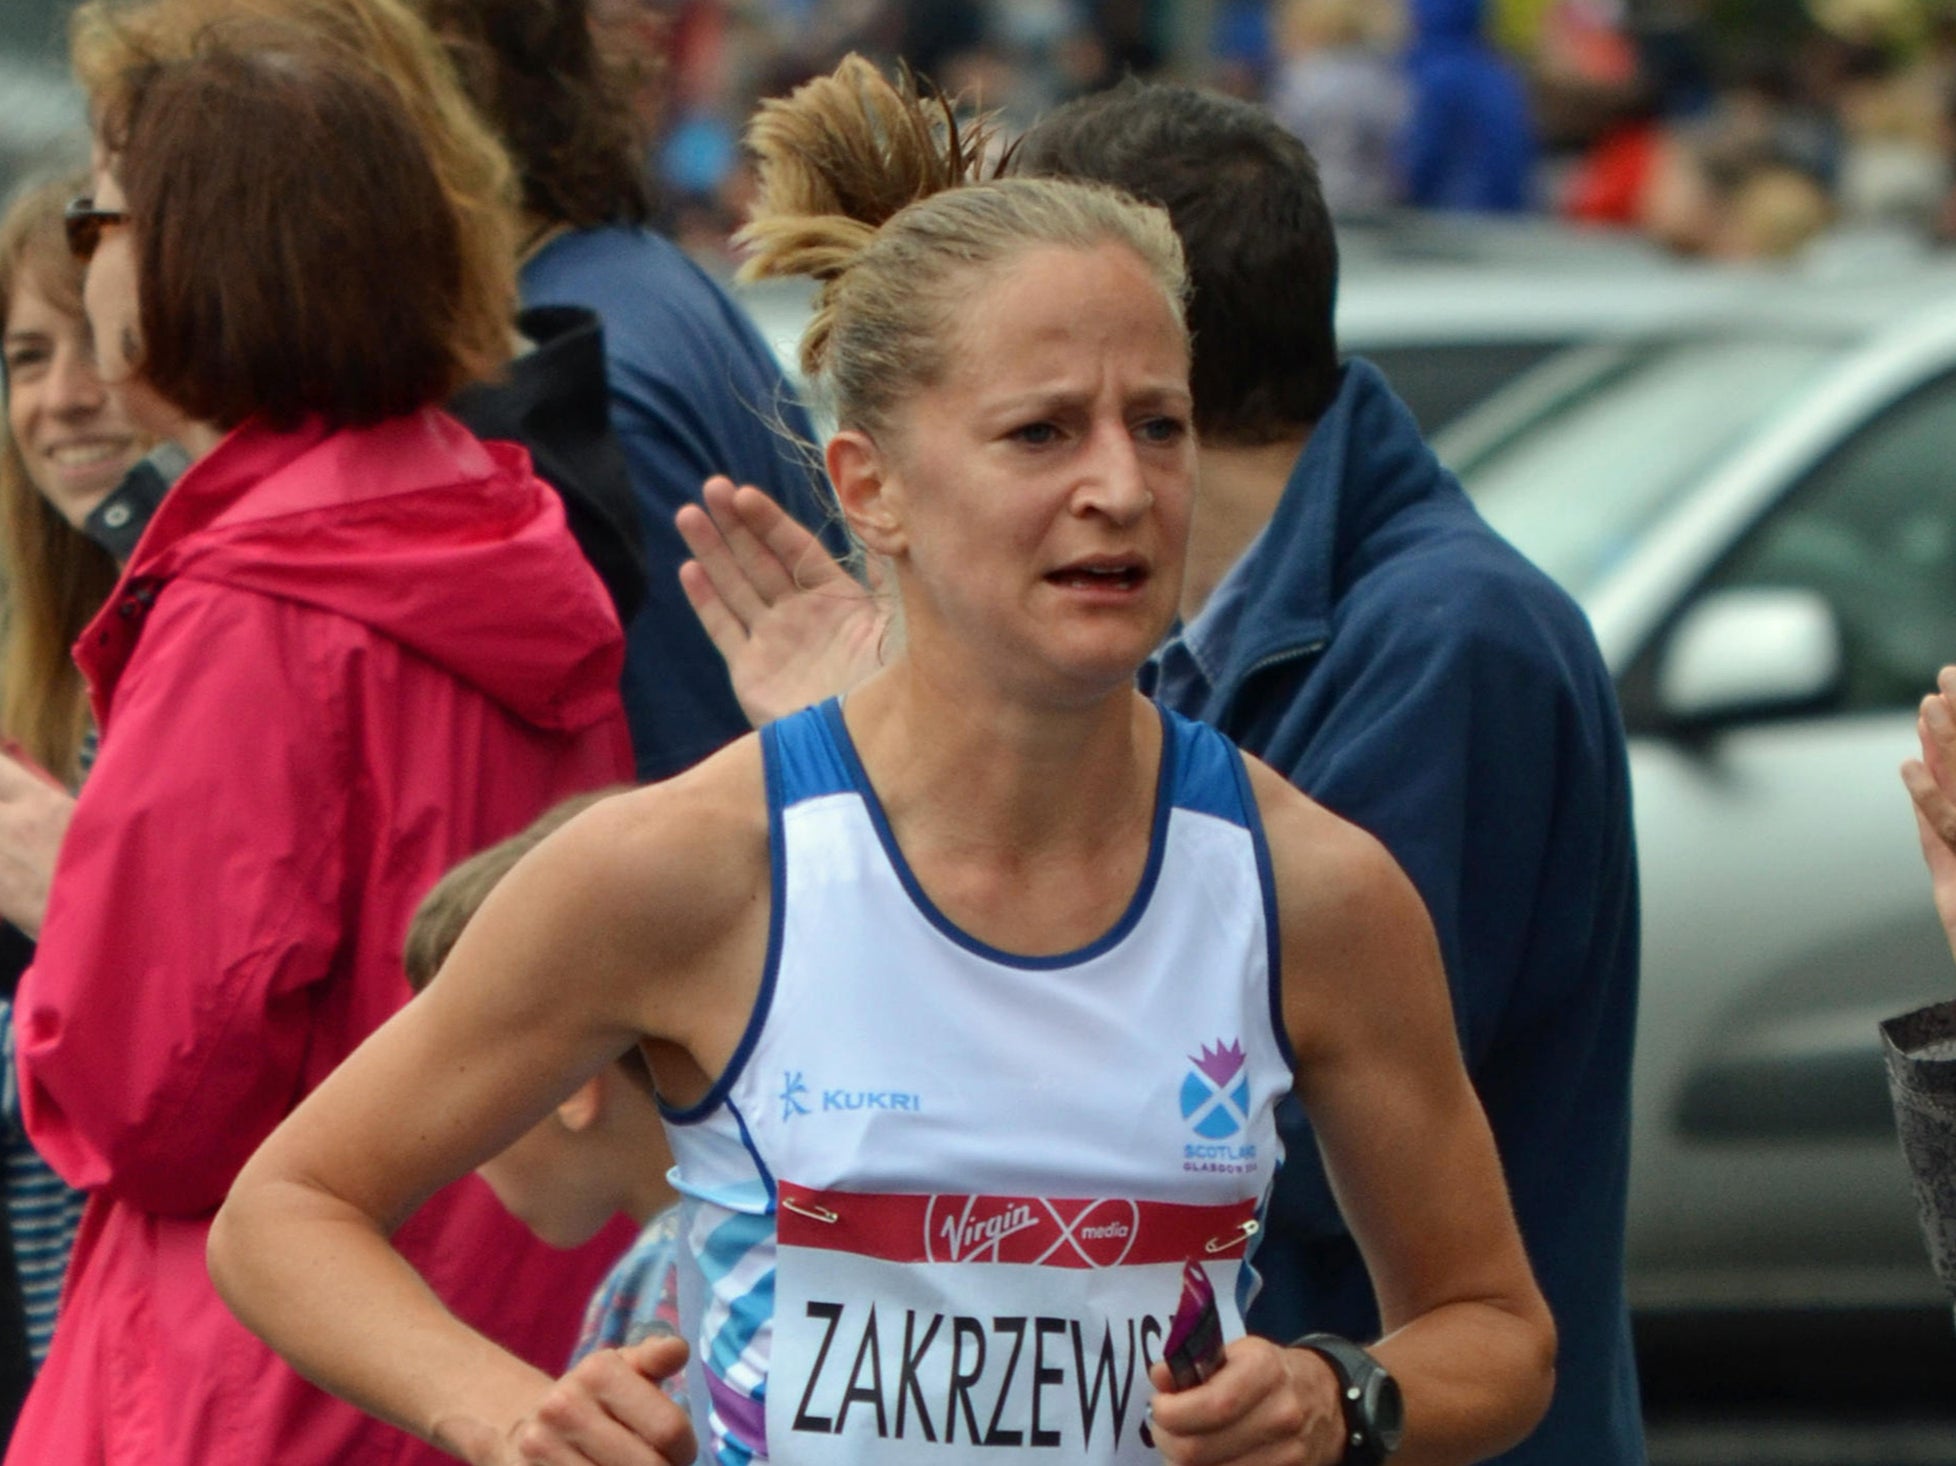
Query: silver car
x=1758 y=511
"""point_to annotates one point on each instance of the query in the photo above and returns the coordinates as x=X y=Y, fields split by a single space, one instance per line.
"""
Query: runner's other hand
x=1269 y=1405
x=607 y=1411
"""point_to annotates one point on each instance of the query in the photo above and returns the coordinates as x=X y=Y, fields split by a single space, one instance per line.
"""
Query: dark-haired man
x=694 y=389
x=1352 y=620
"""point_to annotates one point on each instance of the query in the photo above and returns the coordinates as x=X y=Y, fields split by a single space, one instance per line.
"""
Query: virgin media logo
x=1031 y=1230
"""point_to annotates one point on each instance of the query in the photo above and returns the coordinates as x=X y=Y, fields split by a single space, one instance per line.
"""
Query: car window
x=1577 y=459
x=1873 y=530
x=1441 y=380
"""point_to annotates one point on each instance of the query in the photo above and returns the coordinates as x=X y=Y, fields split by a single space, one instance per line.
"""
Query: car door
x=1785 y=906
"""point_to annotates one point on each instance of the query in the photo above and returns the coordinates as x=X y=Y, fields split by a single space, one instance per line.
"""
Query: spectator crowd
x=1720 y=128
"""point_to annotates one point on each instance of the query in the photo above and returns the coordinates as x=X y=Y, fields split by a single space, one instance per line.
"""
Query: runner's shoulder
x=679 y=860
x=1337 y=886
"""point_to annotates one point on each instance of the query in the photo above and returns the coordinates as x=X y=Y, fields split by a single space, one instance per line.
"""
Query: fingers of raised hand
x=1935 y=817
x=749 y=522
x=1936 y=726
x=723 y=628
x=1928 y=778
x=803 y=557
x=715 y=560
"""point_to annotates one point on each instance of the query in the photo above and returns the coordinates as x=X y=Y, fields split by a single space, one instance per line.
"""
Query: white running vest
x=940 y=1201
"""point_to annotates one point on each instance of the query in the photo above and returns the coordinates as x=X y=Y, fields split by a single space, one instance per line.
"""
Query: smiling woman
x=68 y=444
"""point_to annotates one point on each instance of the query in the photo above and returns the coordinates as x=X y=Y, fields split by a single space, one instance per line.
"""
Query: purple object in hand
x=1194 y=1349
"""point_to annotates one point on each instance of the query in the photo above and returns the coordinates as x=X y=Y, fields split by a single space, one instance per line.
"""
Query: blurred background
x=1682 y=316
x=1724 y=128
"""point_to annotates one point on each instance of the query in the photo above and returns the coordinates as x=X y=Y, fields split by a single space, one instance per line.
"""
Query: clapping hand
x=1931 y=781
x=792 y=624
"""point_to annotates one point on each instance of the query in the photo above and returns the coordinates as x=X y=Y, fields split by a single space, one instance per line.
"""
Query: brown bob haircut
x=296 y=255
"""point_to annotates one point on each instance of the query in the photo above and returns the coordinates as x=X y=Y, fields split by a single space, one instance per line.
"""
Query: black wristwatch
x=1374 y=1414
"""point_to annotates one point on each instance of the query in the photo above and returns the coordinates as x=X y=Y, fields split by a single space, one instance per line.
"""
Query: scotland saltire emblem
x=1216 y=1093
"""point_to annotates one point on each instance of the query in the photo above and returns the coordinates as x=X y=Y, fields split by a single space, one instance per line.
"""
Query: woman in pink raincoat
x=354 y=645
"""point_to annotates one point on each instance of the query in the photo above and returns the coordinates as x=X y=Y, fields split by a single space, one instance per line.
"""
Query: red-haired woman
x=353 y=646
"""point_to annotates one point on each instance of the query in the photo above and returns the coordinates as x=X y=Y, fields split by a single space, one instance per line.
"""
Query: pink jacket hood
x=380 y=525
x=338 y=664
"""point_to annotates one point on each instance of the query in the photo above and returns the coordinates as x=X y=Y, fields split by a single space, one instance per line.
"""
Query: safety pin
x=813 y=1213
x=1242 y=1233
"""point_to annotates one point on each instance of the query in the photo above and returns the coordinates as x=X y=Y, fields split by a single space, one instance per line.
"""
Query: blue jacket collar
x=1365 y=462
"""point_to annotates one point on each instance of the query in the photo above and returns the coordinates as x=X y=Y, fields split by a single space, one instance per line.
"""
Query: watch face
x=1387 y=1411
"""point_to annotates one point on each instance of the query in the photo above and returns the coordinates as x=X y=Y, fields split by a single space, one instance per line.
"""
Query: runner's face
x=1041 y=491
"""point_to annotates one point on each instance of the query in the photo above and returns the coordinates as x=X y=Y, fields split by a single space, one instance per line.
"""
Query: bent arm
x=548 y=983
x=1407 y=1148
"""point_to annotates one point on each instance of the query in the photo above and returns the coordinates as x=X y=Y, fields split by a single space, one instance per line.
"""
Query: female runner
x=969 y=998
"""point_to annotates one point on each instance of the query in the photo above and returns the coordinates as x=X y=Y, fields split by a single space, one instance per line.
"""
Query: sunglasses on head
x=85 y=223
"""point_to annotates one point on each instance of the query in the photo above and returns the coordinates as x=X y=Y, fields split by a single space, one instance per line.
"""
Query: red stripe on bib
x=1035 y=1231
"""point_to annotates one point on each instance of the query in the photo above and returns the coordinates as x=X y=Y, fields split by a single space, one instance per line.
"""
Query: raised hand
x=793 y=626
x=34 y=815
x=1931 y=782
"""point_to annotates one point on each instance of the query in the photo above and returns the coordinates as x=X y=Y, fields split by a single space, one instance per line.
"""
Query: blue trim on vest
x=773 y=765
x=1209 y=773
x=845 y=747
x=1265 y=878
x=808 y=763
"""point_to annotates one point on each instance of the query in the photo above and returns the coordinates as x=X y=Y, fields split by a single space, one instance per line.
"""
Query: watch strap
x=1354 y=1368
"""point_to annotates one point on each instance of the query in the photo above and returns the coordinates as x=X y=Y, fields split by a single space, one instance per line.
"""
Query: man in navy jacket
x=1351 y=619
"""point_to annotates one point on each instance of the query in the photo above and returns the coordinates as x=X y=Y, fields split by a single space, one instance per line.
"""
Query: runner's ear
x=863 y=487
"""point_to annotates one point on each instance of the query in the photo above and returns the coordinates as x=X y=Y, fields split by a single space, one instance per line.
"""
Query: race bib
x=947 y=1328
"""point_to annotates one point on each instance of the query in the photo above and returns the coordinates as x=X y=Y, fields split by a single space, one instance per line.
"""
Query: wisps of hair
x=838 y=158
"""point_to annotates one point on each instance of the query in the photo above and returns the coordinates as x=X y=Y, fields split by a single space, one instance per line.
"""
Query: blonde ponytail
x=838 y=159
x=874 y=189
x=855 y=147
